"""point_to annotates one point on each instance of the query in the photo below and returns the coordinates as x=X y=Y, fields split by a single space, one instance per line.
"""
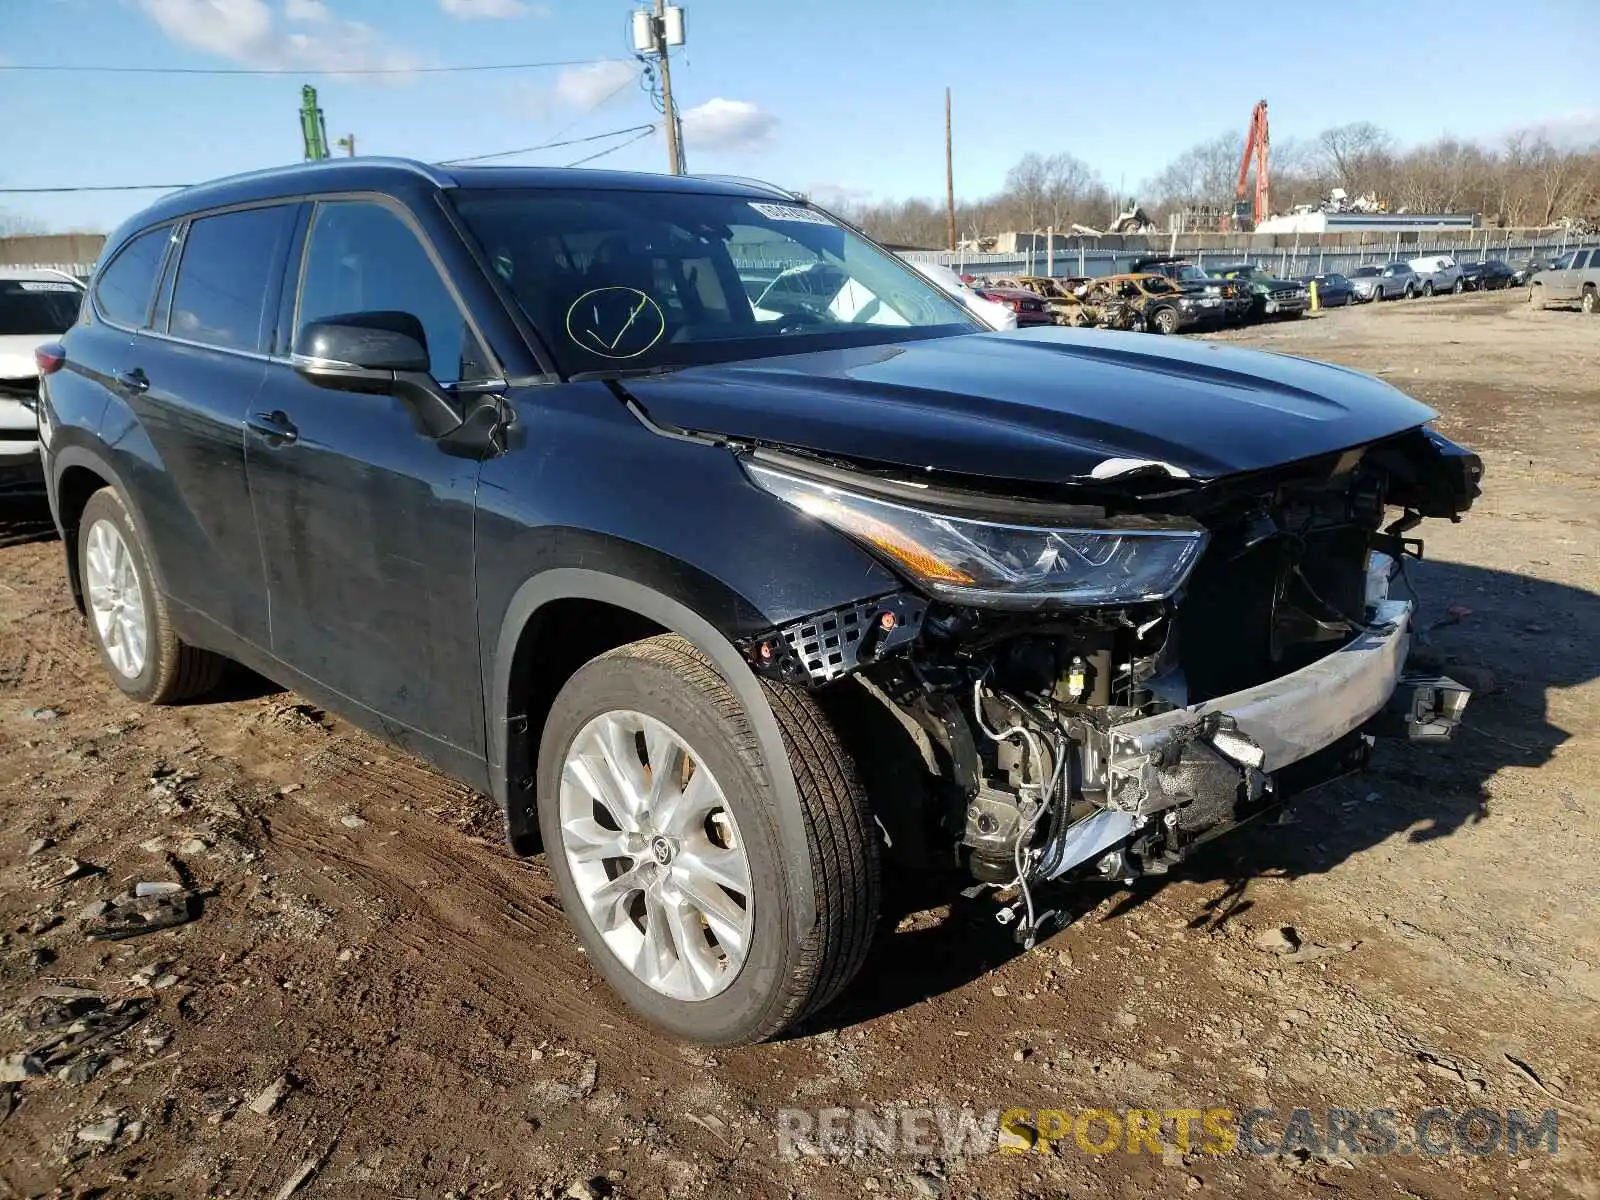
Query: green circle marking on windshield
x=616 y=322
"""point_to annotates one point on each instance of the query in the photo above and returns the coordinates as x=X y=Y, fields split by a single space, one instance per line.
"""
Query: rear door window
x=230 y=262
x=125 y=286
x=1581 y=261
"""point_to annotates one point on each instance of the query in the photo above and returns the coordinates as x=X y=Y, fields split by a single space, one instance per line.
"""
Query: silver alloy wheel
x=655 y=855
x=116 y=600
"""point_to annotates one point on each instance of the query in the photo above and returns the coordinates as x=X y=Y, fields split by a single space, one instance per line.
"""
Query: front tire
x=1536 y=297
x=127 y=613
x=1590 y=303
x=672 y=863
x=1165 y=321
x=1427 y=289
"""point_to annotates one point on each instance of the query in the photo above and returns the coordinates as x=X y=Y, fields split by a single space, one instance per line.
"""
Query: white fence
x=1287 y=262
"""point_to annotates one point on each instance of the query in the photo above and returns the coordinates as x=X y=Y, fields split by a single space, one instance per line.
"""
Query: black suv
x=730 y=593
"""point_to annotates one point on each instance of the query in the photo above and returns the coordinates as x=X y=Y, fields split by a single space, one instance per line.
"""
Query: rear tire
x=1590 y=303
x=1536 y=297
x=774 y=973
x=1460 y=286
x=127 y=614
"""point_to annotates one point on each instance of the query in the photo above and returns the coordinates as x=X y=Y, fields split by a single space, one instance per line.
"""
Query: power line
x=519 y=66
x=597 y=137
x=648 y=130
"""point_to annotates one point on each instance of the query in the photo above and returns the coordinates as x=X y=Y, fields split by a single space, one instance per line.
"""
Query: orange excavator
x=1246 y=215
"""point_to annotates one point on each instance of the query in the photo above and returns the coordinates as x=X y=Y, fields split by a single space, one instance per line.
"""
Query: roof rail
x=747 y=181
x=434 y=176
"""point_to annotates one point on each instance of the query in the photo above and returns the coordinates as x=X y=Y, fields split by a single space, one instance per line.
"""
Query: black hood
x=1044 y=405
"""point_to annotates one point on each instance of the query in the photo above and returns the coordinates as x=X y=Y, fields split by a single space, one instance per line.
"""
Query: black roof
x=402 y=175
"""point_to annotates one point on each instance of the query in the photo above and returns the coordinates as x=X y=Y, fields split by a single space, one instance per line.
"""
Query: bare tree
x=1355 y=155
x=1203 y=174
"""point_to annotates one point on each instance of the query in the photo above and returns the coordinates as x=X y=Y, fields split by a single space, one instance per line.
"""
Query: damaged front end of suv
x=1103 y=674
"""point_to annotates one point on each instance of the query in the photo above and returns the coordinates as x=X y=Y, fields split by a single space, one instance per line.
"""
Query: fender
x=577 y=583
x=84 y=454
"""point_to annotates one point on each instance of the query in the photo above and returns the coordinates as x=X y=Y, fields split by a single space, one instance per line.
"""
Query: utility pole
x=653 y=34
x=348 y=144
x=949 y=175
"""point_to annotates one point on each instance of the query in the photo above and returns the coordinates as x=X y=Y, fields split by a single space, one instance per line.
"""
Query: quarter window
x=229 y=262
x=124 y=288
x=364 y=258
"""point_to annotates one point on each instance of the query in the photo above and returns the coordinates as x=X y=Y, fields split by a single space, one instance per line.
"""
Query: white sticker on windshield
x=790 y=212
x=45 y=285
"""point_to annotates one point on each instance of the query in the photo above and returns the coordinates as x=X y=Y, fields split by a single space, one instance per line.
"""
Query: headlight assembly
x=997 y=564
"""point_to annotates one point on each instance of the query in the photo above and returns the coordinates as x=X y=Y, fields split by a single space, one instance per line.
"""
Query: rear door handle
x=134 y=381
x=274 y=427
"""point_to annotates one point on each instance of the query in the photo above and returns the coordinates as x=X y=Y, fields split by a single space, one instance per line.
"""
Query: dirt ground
x=363 y=934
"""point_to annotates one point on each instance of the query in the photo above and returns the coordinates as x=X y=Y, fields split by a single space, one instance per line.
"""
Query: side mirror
x=381 y=352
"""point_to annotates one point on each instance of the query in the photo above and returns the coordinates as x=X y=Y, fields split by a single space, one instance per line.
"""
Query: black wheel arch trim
x=578 y=583
x=79 y=455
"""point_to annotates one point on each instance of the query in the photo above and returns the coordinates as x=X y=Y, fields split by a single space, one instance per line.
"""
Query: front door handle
x=274 y=427
x=133 y=381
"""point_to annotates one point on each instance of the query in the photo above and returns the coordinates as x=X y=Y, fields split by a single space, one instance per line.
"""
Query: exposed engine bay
x=1107 y=740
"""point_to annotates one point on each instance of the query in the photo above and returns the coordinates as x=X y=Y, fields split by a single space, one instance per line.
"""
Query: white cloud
x=838 y=195
x=474 y=10
x=586 y=86
x=248 y=32
x=720 y=124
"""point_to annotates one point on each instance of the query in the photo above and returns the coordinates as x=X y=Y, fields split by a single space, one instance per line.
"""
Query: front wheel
x=1460 y=286
x=127 y=613
x=1165 y=321
x=672 y=861
x=1536 y=297
x=1427 y=289
x=1591 y=301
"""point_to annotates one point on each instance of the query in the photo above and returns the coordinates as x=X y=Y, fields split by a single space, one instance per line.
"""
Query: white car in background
x=36 y=306
x=1439 y=273
x=995 y=316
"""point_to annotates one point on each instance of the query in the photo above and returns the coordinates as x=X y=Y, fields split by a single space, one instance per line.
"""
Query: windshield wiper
x=625 y=373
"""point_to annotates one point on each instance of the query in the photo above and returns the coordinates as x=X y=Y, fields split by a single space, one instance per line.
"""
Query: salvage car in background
x=998 y=317
x=727 y=611
x=1391 y=281
x=1237 y=298
x=1574 y=278
x=36 y=306
x=1333 y=289
x=1029 y=307
x=1439 y=273
x=1487 y=275
x=1271 y=296
x=1162 y=306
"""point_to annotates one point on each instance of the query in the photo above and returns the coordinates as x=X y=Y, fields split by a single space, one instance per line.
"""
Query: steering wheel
x=800 y=320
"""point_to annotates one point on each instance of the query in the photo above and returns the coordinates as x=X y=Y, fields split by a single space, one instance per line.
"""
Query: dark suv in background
x=730 y=593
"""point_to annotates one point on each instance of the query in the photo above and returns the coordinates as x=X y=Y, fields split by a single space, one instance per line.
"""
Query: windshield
x=621 y=280
x=29 y=306
x=1565 y=261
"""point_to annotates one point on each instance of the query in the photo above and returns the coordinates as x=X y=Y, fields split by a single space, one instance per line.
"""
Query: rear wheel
x=128 y=614
x=1459 y=287
x=1536 y=297
x=1411 y=291
x=1590 y=303
x=672 y=864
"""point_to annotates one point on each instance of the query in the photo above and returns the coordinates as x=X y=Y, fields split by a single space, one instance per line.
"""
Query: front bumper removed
x=1202 y=768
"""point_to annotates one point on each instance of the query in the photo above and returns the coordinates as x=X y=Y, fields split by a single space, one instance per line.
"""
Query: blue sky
x=843 y=97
